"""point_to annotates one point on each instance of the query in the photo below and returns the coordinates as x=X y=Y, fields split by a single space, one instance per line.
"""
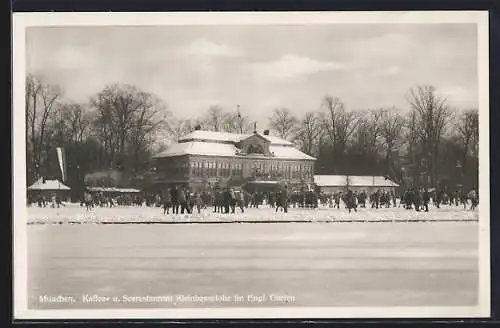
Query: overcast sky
x=262 y=67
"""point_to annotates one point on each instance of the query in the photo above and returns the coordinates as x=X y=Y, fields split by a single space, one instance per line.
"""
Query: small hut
x=48 y=188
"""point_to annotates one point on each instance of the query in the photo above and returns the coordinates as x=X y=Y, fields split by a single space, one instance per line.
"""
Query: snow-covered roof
x=212 y=135
x=353 y=180
x=277 y=141
x=48 y=185
x=200 y=148
x=379 y=181
x=286 y=152
x=209 y=143
x=330 y=180
x=229 y=137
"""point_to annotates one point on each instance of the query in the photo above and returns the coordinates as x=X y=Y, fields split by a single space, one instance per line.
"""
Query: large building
x=204 y=159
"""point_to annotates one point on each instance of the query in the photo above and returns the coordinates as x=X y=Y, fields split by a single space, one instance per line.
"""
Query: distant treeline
x=122 y=127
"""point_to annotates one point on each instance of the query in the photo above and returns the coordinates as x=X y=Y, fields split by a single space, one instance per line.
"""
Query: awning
x=113 y=189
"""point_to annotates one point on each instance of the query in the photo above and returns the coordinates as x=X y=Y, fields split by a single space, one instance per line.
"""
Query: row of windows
x=226 y=169
x=212 y=168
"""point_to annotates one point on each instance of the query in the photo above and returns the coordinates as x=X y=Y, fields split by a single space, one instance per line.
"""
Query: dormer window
x=255 y=149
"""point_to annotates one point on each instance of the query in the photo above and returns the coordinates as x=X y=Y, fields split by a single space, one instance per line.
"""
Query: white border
x=24 y=20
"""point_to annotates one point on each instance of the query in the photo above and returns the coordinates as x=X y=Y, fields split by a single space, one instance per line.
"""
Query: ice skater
x=87 y=197
x=167 y=202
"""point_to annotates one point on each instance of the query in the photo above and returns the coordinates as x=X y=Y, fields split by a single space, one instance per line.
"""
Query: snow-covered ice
x=349 y=264
x=74 y=213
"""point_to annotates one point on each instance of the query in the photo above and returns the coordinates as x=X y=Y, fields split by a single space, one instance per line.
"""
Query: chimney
x=266 y=132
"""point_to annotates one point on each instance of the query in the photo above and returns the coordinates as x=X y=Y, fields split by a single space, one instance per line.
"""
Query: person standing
x=474 y=198
x=232 y=200
x=417 y=199
x=279 y=200
x=174 y=195
x=53 y=201
x=241 y=201
x=218 y=201
x=167 y=202
x=190 y=200
x=351 y=201
x=284 y=199
x=58 y=200
x=215 y=196
x=183 y=201
x=88 y=200
x=426 y=199
x=226 y=197
x=198 y=202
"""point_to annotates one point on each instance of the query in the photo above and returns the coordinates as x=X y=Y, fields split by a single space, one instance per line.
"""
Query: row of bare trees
x=116 y=129
x=122 y=126
x=431 y=137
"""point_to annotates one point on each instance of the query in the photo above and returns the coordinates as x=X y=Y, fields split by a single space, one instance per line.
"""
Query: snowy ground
x=74 y=213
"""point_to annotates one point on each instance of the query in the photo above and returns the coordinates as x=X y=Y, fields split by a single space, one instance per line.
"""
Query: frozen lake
x=287 y=264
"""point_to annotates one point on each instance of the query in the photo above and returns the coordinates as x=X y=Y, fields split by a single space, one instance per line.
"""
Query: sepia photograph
x=251 y=165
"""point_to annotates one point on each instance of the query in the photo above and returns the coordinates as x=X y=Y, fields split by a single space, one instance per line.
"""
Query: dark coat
x=426 y=197
x=226 y=196
x=174 y=195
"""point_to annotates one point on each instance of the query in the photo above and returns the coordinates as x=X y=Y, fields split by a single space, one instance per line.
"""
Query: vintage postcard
x=251 y=165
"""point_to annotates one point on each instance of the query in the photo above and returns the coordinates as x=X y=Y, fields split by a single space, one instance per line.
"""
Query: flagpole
x=58 y=194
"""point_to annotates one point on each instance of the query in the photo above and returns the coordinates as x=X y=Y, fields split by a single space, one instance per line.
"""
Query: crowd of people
x=418 y=199
x=181 y=200
x=52 y=200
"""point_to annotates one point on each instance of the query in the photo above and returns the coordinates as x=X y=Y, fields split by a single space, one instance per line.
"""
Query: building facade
x=205 y=159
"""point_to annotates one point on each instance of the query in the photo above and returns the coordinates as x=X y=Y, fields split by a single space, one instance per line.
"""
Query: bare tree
x=368 y=133
x=432 y=116
x=178 y=128
x=410 y=134
x=215 y=118
x=41 y=100
x=283 y=123
x=308 y=133
x=149 y=119
x=127 y=120
x=69 y=124
x=230 y=123
x=467 y=128
x=392 y=124
x=338 y=123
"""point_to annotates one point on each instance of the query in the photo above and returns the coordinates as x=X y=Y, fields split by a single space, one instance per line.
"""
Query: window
x=236 y=168
x=212 y=169
x=192 y=167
